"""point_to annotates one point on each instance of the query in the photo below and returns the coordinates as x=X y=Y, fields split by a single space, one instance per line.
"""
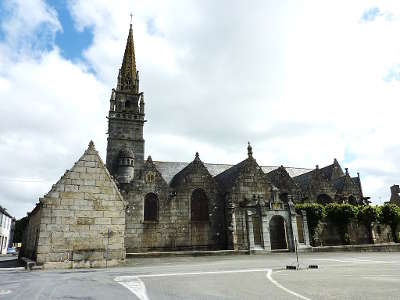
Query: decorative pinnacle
x=197 y=155
x=316 y=167
x=347 y=171
x=249 y=150
x=149 y=159
x=131 y=18
x=91 y=145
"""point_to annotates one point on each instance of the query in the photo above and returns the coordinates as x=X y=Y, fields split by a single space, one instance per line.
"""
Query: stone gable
x=81 y=217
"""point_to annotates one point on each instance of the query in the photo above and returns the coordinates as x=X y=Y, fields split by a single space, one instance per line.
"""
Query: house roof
x=169 y=169
x=4 y=212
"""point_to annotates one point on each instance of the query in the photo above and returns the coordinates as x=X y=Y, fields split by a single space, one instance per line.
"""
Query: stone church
x=148 y=205
x=198 y=205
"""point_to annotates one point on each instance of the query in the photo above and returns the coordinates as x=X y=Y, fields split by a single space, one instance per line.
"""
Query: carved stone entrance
x=277 y=233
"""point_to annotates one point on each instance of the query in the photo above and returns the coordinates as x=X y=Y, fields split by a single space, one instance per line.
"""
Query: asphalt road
x=339 y=276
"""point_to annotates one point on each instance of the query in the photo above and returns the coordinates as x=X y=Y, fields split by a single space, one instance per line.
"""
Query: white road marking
x=201 y=273
x=5 y=292
x=277 y=284
x=357 y=261
x=11 y=269
x=135 y=285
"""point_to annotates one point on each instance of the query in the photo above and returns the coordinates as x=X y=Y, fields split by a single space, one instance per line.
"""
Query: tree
x=390 y=215
x=20 y=226
x=341 y=215
x=315 y=213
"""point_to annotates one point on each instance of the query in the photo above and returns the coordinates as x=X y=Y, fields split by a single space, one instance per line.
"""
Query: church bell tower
x=126 y=117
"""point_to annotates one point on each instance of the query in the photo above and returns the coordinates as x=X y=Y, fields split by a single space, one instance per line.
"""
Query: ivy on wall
x=342 y=214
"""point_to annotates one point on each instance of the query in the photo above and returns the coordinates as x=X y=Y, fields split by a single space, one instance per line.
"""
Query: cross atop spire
x=128 y=79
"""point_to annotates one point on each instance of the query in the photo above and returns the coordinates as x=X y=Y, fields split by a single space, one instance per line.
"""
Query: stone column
x=293 y=236
x=265 y=228
x=250 y=233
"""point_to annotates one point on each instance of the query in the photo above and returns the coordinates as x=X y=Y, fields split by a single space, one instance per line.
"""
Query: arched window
x=199 y=206
x=324 y=199
x=151 y=207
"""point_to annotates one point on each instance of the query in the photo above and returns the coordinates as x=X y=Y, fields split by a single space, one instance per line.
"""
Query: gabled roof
x=169 y=169
x=329 y=171
x=276 y=176
x=227 y=178
x=195 y=164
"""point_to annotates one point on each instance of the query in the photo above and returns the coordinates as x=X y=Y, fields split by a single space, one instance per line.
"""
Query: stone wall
x=31 y=234
x=82 y=218
x=173 y=229
x=358 y=234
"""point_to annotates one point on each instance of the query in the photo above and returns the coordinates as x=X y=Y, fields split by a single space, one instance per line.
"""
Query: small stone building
x=81 y=221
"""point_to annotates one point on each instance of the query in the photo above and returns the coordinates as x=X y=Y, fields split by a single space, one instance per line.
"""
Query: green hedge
x=390 y=215
x=341 y=215
x=315 y=213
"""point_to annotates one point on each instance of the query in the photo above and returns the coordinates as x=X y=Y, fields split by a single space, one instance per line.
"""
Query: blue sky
x=304 y=82
x=70 y=40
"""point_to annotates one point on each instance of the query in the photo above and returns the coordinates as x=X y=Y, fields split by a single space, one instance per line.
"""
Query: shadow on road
x=9 y=262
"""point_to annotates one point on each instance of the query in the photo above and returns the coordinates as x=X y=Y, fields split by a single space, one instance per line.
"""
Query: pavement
x=341 y=275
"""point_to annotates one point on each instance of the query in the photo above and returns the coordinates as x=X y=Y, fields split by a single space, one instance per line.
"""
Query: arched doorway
x=277 y=233
x=324 y=199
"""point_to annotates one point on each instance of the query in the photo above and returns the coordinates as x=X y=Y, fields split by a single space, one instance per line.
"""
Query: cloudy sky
x=304 y=81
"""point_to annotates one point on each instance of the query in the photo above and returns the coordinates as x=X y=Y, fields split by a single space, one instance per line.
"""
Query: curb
x=12 y=269
x=186 y=253
x=387 y=247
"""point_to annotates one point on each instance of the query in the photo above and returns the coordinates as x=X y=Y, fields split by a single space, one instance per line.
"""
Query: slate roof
x=303 y=180
x=227 y=178
x=338 y=184
x=169 y=169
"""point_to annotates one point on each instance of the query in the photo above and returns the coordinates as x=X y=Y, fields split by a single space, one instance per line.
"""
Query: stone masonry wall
x=81 y=217
x=174 y=229
x=31 y=234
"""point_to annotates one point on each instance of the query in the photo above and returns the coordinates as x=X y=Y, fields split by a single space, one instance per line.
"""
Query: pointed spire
x=128 y=77
x=249 y=150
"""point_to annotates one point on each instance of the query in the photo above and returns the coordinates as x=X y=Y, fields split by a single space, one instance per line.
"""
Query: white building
x=5 y=230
